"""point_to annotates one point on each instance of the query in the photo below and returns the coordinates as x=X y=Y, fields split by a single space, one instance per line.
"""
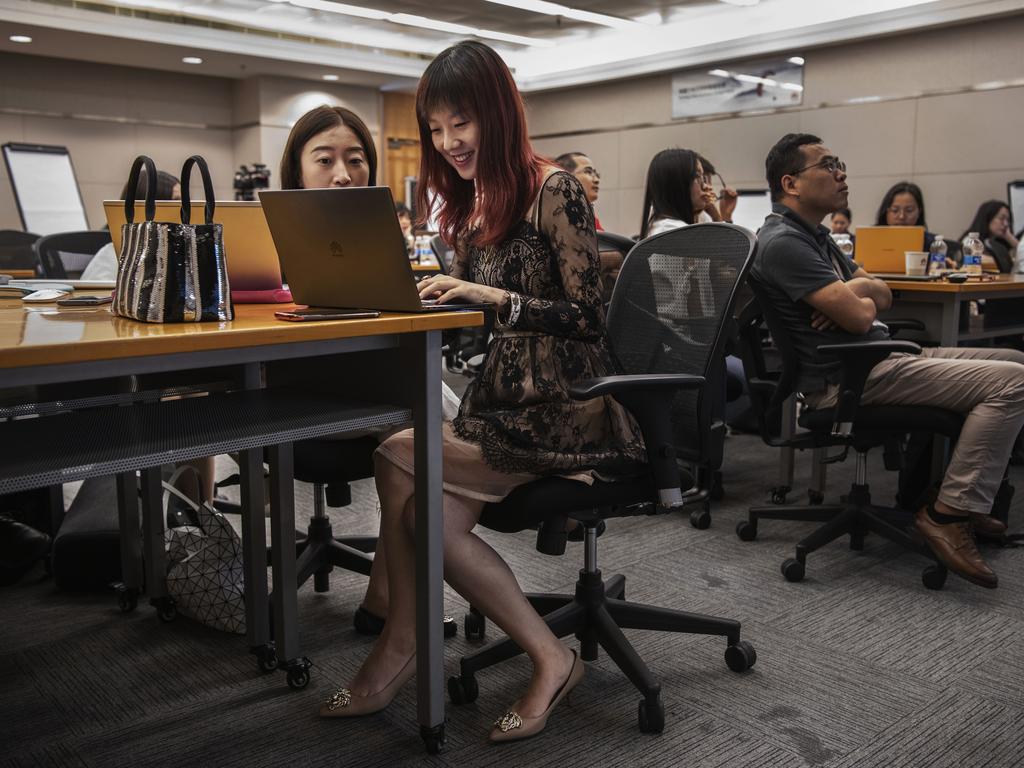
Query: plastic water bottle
x=845 y=243
x=937 y=256
x=973 y=248
x=414 y=255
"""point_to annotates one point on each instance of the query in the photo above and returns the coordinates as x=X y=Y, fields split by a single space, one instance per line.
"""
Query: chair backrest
x=612 y=250
x=66 y=254
x=671 y=312
x=441 y=252
x=764 y=384
x=16 y=251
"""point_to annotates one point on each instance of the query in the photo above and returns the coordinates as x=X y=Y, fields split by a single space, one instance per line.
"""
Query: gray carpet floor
x=859 y=665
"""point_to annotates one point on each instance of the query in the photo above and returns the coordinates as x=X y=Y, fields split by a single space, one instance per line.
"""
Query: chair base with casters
x=858 y=516
x=598 y=611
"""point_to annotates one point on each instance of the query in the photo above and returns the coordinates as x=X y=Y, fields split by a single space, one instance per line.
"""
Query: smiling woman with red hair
x=525 y=242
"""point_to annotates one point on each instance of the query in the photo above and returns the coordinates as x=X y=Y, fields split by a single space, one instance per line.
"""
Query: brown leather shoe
x=987 y=526
x=954 y=545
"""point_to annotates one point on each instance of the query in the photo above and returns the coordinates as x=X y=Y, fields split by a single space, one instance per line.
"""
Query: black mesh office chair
x=846 y=425
x=16 y=251
x=663 y=359
x=442 y=253
x=64 y=256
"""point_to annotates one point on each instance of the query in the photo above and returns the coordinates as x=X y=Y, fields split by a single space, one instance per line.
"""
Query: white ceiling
x=241 y=38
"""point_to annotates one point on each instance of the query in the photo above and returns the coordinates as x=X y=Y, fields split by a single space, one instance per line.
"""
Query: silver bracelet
x=515 y=307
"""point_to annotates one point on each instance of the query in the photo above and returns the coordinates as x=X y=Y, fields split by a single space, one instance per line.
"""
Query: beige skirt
x=465 y=472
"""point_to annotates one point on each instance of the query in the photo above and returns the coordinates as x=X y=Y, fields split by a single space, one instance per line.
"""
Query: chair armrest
x=616 y=385
x=648 y=397
x=904 y=324
x=857 y=359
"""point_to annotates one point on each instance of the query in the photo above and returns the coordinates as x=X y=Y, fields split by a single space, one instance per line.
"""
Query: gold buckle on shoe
x=340 y=698
x=508 y=722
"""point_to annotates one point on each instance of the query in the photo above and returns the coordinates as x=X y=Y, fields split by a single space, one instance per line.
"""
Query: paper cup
x=917 y=262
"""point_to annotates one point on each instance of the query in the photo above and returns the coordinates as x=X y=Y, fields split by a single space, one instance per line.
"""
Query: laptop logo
x=336 y=249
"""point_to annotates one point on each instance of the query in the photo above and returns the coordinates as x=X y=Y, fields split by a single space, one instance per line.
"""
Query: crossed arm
x=852 y=306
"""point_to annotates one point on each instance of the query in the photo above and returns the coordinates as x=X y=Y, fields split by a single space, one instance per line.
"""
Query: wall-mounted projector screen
x=45 y=188
x=752 y=206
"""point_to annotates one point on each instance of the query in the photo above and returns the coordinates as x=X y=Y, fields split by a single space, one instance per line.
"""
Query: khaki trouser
x=985 y=384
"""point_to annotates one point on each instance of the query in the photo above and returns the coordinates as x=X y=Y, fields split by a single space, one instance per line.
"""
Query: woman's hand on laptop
x=447 y=289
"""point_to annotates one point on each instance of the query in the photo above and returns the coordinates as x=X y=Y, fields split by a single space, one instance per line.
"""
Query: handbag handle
x=133 y=182
x=186 y=205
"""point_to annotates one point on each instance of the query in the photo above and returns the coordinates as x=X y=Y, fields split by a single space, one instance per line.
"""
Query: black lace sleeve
x=566 y=222
x=460 y=261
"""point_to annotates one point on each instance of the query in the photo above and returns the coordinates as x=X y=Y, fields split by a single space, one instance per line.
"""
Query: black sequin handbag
x=169 y=272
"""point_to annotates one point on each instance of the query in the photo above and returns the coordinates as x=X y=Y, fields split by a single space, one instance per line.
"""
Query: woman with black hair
x=676 y=191
x=994 y=224
x=903 y=206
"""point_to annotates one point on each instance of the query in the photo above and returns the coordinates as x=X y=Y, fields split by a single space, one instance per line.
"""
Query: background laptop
x=343 y=248
x=253 y=267
x=880 y=250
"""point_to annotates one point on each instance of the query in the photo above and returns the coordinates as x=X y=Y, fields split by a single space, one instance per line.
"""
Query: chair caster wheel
x=166 y=610
x=741 y=656
x=779 y=495
x=701 y=519
x=793 y=570
x=815 y=497
x=651 y=716
x=474 y=626
x=433 y=738
x=934 y=576
x=266 y=658
x=746 y=530
x=463 y=689
x=451 y=627
x=298 y=674
x=127 y=599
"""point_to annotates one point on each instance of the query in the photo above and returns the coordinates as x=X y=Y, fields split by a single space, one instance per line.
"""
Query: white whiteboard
x=1015 y=197
x=752 y=206
x=45 y=188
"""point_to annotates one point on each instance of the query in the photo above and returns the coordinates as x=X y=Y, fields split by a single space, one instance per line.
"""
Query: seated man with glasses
x=582 y=167
x=823 y=298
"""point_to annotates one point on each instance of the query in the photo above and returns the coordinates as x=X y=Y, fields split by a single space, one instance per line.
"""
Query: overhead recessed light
x=332 y=78
x=555 y=9
x=192 y=60
x=20 y=39
x=798 y=60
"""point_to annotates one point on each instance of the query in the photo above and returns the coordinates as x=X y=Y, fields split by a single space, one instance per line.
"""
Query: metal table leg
x=425 y=351
x=131 y=544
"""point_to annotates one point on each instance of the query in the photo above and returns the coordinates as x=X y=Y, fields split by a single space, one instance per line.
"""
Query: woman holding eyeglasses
x=994 y=224
x=903 y=206
x=678 y=193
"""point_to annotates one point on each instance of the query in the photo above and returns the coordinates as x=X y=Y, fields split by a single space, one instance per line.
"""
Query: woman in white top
x=679 y=193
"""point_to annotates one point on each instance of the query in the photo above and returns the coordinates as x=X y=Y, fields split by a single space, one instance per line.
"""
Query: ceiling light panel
x=554 y=9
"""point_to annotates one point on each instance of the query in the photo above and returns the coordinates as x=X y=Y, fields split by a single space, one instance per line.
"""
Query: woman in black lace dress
x=525 y=242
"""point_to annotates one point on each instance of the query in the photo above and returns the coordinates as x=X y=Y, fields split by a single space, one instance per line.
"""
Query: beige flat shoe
x=343 y=704
x=512 y=726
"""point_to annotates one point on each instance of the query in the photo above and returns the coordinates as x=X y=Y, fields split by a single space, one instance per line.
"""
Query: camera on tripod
x=248 y=180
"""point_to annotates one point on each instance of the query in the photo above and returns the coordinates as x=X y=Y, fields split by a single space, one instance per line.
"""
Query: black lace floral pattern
x=518 y=408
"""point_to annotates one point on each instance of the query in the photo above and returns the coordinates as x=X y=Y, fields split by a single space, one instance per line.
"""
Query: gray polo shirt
x=794 y=260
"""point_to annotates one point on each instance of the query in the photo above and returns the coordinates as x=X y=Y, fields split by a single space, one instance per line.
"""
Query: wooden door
x=401 y=143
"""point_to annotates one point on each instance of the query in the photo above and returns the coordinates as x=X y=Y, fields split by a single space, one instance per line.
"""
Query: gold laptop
x=882 y=249
x=251 y=257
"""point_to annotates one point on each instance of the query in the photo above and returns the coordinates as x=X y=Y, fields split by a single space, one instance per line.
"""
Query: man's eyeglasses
x=830 y=164
x=589 y=171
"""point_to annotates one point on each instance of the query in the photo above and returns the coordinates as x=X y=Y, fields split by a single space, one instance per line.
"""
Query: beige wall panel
x=632 y=102
x=246 y=146
x=11 y=129
x=272 y=142
x=170 y=147
x=952 y=199
x=866 y=194
x=93 y=195
x=602 y=148
x=970 y=132
x=873 y=139
x=100 y=152
x=738 y=146
x=641 y=144
x=627 y=221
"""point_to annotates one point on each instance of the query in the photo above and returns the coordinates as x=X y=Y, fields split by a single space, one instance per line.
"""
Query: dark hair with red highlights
x=316 y=121
x=470 y=78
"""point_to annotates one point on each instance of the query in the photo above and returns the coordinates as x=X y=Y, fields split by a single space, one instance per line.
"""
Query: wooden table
x=940 y=305
x=46 y=345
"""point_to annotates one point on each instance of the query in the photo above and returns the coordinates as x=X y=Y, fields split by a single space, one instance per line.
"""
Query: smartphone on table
x=84 y=301
x=320 y=313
